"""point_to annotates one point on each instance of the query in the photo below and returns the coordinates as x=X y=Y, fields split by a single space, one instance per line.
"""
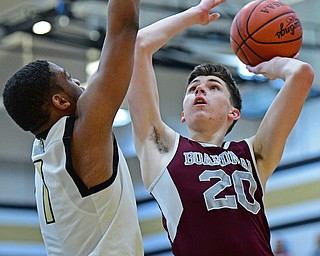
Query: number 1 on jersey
x=45 y=196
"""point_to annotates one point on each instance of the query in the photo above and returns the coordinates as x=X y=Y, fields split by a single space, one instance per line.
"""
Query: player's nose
x=75 y=80
x=200 y=90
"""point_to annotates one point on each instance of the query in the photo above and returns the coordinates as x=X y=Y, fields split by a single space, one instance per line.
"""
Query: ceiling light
x=63 y=20
x=122 y=118
x=41 y=27
x=94 y=35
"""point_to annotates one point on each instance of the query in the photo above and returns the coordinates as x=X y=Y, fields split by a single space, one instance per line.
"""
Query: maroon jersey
x=211 y=201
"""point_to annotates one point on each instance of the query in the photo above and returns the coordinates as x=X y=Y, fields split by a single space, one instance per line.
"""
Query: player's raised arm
x=283 y=113
x=143 y=94
x=108 y=86
x=99 y=103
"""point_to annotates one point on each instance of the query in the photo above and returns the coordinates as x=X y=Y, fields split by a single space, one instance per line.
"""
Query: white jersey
x=75 y=220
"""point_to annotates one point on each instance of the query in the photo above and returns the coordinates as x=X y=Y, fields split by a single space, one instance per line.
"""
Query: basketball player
x=84 y=192
x=210 y=191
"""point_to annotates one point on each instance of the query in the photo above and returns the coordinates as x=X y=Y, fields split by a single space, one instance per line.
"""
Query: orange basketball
x=263 y=29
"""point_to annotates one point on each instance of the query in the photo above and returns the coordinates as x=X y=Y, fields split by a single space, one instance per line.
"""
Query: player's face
x=207 y=99
x=70 y=85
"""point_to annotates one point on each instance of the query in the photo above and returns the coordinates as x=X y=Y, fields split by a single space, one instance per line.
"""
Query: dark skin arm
x=92 y=141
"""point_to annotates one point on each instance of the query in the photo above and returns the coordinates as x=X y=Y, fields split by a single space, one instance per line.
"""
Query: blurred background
x=70 y=33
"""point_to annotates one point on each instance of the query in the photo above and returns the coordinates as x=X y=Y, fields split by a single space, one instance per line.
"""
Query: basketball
x=264 y=29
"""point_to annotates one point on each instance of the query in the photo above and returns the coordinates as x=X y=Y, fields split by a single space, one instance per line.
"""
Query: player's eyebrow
x=215 y=80
x=66 y=73
x=210 y=80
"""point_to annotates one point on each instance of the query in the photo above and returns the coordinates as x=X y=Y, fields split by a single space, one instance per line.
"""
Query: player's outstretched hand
x=206 y=6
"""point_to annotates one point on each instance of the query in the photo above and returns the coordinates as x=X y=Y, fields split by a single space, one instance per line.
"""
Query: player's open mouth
x=199 y=101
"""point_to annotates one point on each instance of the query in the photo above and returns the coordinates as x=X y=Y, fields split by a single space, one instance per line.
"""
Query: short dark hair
x=27 y=95
x=222 y=72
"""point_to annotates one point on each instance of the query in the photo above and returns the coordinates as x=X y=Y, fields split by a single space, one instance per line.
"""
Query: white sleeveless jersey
x=75 y=220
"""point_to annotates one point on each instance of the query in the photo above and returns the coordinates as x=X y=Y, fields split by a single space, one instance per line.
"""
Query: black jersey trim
x=43 y=135
x=83 y=189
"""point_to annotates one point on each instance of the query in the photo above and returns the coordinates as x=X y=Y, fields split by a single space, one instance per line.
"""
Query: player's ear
x=60 y=102
x=234 y=114
x=182 y=117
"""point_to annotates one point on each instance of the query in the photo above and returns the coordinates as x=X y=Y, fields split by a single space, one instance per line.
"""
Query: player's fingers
x=214 y=16
x=254 y=69
x=216 y=2
x=219 y=1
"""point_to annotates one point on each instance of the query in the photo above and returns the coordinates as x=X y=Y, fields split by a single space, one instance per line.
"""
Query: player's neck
x=208 y=138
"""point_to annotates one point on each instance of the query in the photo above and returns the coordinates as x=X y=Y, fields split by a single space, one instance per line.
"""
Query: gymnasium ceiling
x=80 y=23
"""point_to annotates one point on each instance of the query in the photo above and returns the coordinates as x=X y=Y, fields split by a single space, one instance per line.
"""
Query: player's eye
x=192 y=88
